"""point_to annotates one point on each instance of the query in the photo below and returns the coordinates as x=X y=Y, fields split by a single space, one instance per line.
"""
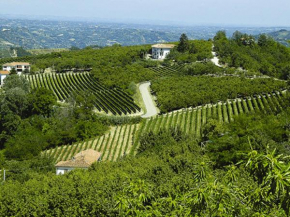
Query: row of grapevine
x=113 y=145
x=191 y=120
x=167 y=70
x=63 y=85
x=125 y=139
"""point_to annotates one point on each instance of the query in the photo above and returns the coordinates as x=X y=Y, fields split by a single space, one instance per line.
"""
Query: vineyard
x=191 y=120
x=167 y=70
x=113 y=145
x=63 y=85
x=123 y=140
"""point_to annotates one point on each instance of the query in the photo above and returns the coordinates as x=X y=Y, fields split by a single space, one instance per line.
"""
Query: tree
x=15 y=101
x=13 y=71
x=25 y=144
x=262 y=40
x=15 y=81
x=220 y=35
x=42 y=101
x=83 y=104
x=183 y=43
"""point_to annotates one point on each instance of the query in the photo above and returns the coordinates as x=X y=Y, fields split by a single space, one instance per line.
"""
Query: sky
x=180 y=12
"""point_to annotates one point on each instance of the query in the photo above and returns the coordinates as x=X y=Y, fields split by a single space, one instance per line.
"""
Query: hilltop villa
x=160 y=51
x=18 y=66
x=81 y=160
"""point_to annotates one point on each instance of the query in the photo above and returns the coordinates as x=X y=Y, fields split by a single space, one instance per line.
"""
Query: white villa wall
x=2 y=77
x=19 y=68
x=7 y=68
x=160 y=53
x=63 y=170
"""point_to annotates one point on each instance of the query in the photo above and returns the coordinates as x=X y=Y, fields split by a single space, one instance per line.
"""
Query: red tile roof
x=163 y=45
x=83 y=159
x=4 y=72
x=16 y=63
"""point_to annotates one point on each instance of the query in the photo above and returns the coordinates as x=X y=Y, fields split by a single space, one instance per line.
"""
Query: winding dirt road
x=215 y=60
x=148 y=101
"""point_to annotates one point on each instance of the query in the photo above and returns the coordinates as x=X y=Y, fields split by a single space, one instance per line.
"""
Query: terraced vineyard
x=113 y=145
x=191 y=120
x=113 y=101
x=123 y=140
x=167 y=71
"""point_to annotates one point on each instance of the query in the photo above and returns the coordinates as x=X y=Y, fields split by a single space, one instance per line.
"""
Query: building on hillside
x=81 y=160
x=3 y=75
x=160 y=51
x=18 y=66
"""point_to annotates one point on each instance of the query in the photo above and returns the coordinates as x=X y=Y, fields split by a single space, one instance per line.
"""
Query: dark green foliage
x=181 y=92
x=154 y=141
x=26 y=143
x=195 y=50
x=22 y=171
x=265 y=56
x=183 y=43
x=249 y=132
x=15 y=81
x=13 y=71
x=41 y=101
x=172 y=176
x=32 y=121
x=201 y=69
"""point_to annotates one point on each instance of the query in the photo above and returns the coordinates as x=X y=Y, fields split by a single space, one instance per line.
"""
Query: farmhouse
x=3 y=75
x=18 y=66
x=160 y=51
x=82 y=160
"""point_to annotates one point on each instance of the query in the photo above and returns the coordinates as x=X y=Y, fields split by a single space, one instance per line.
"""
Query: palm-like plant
x=273 y=177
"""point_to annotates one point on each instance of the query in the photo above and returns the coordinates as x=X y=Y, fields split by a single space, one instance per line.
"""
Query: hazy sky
x=192 y=12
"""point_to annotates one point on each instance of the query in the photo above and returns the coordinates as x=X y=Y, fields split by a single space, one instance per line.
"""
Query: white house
x=18 y=66
x=82 y=160
x=3 y=75
x=160 y=51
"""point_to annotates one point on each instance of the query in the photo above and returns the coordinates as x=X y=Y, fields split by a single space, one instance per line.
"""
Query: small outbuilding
x=160 y=51
x=81 y=160
x=3 y=75
x=18 y=66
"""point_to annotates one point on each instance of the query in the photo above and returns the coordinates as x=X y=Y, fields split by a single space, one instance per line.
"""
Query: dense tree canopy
x=192 y=51
x=172 y=175
x=181 y=92
x=31 y=120
x=266 y=56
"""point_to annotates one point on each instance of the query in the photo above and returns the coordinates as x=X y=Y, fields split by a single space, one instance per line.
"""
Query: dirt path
x=148 y=101
x=215 y=60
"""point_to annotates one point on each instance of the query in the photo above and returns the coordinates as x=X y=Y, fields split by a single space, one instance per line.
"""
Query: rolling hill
x=282 y=36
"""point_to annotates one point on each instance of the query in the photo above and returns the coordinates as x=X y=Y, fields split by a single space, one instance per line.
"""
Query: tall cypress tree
x=183 y=43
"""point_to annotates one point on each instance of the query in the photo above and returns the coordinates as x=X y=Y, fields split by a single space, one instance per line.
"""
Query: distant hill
x=47 y=34
x=281 y=36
